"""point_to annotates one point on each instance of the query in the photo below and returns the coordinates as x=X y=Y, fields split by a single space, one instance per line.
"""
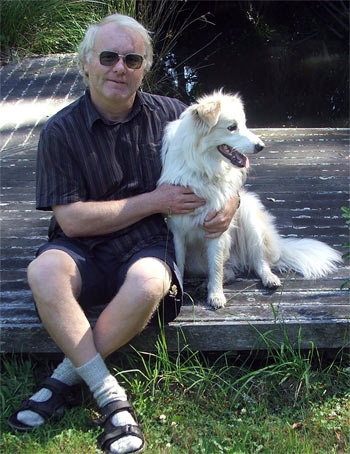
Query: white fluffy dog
x=205 y=150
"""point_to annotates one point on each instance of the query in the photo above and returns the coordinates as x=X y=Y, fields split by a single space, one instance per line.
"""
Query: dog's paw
x=217 y=300
x=271 y=281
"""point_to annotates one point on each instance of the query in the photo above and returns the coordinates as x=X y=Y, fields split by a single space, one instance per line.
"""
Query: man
x=98 y=164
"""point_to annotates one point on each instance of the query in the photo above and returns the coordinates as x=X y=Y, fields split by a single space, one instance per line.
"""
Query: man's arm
x=100 y=218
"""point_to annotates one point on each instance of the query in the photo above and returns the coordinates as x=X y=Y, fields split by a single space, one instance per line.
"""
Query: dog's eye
x=232 y=127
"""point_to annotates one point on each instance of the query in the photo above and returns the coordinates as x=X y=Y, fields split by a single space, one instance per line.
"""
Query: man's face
x=117 y=82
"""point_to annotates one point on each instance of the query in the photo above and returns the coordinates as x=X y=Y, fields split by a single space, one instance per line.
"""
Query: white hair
x=120 y=20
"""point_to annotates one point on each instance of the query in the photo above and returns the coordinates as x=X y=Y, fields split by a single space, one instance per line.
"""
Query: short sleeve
x=59 y=180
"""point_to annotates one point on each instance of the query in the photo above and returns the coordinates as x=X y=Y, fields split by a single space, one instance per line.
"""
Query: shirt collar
x=92 y=114
x=146 y=100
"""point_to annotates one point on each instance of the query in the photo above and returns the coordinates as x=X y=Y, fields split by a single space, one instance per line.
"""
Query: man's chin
x=109 y=99
x=117 y=91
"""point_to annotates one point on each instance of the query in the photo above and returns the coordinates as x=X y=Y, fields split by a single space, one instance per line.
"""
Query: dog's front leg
x=215 y=248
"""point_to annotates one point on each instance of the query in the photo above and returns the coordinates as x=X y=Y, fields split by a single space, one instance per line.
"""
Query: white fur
x=190 y=158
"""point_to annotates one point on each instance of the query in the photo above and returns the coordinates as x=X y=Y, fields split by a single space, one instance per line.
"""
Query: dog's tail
x=311 y=258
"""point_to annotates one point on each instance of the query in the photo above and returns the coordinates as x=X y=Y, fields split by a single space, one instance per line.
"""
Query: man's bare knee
x=52 y=270
x=152 y=278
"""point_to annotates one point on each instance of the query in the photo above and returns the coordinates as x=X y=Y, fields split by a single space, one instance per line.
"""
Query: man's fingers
x=192 y=198
x=186 y=190
x=190 y=195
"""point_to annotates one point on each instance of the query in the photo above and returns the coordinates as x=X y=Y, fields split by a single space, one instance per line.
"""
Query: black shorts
x=103 y=274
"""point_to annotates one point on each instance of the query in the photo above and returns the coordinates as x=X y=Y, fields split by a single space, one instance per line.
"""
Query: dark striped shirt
x=84 y=157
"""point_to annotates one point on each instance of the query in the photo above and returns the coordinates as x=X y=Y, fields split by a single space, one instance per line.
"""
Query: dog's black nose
x=258 y=147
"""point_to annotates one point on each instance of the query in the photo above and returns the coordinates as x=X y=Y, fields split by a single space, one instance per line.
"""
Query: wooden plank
x=206 y=336
x=299 y=307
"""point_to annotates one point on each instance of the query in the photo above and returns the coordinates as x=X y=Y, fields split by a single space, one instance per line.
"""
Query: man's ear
x=207 y=113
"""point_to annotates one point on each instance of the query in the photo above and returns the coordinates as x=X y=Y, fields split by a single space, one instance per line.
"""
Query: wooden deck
x=303 y=179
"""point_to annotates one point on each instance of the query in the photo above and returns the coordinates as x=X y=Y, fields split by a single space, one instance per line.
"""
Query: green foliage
x=52 y=26
x=43 y=27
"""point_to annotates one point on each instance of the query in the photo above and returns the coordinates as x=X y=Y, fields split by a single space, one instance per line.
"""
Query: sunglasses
x=110 y=58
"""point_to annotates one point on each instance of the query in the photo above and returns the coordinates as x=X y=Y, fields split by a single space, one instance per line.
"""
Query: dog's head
x=221 y=126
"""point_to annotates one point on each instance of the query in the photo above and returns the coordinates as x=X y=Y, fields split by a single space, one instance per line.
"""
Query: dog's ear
x=207 y=113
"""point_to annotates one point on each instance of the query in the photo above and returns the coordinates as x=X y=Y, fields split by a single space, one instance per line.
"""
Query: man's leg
x=56 y=284
x=147 y=281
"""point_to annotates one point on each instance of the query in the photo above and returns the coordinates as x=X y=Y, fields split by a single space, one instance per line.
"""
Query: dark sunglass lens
x=133 y=61
x=108 y=58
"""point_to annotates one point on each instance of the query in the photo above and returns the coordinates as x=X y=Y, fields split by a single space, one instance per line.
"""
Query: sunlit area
x=26 y=112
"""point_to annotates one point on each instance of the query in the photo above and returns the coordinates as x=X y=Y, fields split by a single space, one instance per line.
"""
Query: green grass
x=52 y=26
x=281 y=401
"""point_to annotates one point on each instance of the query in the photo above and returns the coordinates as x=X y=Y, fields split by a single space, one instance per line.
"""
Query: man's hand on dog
x=177 y=199
x=216 y=223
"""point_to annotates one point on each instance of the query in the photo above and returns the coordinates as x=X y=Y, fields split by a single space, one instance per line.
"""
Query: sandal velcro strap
x=114 y=407
x=121 y=432
x=45 y=411
x=70 y=394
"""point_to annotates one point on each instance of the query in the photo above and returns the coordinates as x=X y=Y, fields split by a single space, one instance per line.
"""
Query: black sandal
x=113 y=433
x=62 y=396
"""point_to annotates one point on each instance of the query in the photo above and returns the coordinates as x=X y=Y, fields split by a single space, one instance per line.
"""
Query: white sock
x=105 y=389
x=64 y=372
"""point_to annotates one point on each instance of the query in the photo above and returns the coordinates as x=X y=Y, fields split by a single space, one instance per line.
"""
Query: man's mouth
x=116 y=81
x=236 y=158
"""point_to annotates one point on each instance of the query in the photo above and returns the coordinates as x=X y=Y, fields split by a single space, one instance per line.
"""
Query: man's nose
x=119 y=66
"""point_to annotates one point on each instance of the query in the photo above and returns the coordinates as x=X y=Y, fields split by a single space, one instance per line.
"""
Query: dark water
x=288 y=59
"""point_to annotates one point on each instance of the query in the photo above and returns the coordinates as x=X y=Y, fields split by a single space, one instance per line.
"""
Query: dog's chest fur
x=216 y=191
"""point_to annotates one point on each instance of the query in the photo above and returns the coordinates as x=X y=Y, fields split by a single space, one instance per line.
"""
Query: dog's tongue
x=236 y=158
